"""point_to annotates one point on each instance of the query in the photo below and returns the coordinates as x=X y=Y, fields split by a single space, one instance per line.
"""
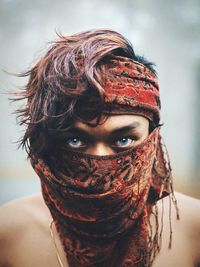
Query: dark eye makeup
x=116 y=143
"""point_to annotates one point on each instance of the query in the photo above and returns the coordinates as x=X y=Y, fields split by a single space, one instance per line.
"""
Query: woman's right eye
x=74 y=142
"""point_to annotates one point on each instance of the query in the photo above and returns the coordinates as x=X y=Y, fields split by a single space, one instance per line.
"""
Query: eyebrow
x=114 y=132
x=126 y=128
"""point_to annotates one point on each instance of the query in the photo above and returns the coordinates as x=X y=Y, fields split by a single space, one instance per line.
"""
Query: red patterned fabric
x=101 y=205
x=131 y=84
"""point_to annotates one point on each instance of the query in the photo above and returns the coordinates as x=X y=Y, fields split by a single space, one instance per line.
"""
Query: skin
x=25 y=239
x=115 y=134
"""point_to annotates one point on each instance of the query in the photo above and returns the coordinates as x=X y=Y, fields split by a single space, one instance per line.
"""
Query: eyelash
x=112 y=143
x=124 y=137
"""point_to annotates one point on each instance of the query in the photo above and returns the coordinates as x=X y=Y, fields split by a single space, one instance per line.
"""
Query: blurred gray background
x=166 y=32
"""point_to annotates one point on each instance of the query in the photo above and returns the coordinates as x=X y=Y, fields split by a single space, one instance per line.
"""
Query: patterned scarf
x=101 y=205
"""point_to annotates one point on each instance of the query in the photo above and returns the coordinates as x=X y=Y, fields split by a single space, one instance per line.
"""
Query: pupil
x=74 y=142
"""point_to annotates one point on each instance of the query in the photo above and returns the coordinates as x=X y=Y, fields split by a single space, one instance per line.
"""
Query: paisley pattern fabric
x=131 y=84
x=101 y=205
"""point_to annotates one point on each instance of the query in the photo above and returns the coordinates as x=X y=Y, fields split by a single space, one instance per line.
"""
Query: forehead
x=114 y=122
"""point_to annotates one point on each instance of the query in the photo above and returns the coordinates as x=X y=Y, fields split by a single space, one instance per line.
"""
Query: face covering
x=101 y=205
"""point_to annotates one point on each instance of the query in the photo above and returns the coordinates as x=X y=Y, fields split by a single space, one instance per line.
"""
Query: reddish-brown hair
x=65 y=84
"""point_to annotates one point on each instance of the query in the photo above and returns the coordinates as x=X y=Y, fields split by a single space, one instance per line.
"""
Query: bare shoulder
x=19 y=212
x=186 y=232
x=185 y=203
x=17 y=218
x=189 y=210
x=187 y=200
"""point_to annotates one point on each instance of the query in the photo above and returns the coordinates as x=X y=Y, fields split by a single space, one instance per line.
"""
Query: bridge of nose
x=100 y=149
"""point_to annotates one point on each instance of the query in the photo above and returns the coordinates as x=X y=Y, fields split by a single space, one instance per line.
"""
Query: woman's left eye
x=124 y=142
x=74 y=142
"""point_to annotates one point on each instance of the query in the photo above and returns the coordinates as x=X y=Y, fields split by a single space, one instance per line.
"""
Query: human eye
x=124 y=142
x=75 y=142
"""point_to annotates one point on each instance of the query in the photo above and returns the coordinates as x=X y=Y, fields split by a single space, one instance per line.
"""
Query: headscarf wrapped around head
x=132 y=86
